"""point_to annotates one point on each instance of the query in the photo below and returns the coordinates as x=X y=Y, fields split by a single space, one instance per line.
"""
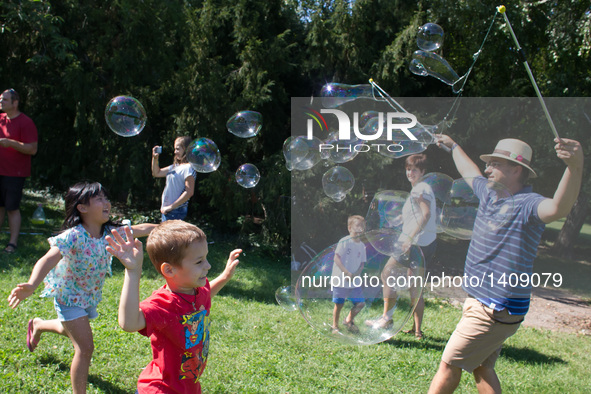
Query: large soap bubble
x=459 y=215
x=336 y=94
x=441 y=185
x=203 y=155
x=286 y=298
x=126 y=116
x=247 y=175
x=430 y=37
x=337 y=183
x=245 y=124
x=403 y=281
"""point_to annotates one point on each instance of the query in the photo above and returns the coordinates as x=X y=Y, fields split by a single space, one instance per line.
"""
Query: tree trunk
x=567 y=237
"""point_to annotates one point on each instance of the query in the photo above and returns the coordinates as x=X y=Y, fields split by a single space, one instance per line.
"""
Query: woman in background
x=180 y=180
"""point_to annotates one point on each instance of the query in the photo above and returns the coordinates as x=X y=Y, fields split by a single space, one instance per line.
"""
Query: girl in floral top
x=74 y=271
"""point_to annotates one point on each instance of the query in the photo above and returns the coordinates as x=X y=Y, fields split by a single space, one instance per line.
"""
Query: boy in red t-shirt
x=176 y=316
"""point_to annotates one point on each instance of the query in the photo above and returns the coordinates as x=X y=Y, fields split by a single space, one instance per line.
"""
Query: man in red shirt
x=18 y=142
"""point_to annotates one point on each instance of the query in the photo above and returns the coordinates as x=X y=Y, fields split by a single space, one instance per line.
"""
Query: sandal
x=351 y=327
x=380 y=322
x=31 y=342
x=417 y=334
x=10 y=248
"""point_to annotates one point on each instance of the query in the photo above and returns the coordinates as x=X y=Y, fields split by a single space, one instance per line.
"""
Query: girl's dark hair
x=185 y=141
x=81 y=193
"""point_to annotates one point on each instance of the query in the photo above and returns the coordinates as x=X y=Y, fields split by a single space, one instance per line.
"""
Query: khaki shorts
x=479 y=336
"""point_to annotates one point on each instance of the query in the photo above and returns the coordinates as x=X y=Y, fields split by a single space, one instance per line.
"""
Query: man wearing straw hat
x=495 y=308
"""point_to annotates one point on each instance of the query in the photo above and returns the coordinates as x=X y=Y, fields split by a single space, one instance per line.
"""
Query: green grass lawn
x=258 y=347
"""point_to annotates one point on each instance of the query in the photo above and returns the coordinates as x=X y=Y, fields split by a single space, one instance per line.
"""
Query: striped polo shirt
x=505 y=239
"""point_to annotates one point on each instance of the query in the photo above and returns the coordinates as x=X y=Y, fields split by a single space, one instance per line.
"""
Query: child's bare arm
x=40 y=271
x=219 y=282
x=143 y=229
x=131 y=255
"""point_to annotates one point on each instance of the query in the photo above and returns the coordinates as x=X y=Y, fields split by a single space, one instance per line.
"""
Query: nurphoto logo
x=395 y=121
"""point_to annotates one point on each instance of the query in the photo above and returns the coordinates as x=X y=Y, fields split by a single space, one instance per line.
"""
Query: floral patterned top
x=78 y=278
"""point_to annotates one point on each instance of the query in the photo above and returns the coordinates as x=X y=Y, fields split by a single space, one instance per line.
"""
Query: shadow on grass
x=105 y=386
x=516 y=354
x=428 y=342
x=48 y=359
x=97 y=381
x=529 y=356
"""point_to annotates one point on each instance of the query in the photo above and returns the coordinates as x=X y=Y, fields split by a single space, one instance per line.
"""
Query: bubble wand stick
x=395 y=105
x=502 y=10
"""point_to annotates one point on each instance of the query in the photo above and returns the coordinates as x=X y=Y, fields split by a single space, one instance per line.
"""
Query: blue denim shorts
x=179 y=213
x=355 y=295
x=68 y=313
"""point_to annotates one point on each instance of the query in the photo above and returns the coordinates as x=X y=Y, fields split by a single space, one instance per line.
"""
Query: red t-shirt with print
x=179 y=335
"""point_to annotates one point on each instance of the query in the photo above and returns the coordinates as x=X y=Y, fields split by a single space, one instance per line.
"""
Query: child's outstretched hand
x=19 y=293
x=232 y=263
x=130 y=252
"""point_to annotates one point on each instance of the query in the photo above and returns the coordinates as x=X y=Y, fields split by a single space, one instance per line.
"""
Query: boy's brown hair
x=169 y=240
x=418 y=160
x=355 y=219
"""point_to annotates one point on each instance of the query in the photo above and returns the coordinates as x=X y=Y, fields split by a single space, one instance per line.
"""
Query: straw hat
x=513 y=150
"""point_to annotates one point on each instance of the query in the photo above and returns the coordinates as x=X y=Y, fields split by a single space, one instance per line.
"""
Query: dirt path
x=558 y=310
x=550 y=309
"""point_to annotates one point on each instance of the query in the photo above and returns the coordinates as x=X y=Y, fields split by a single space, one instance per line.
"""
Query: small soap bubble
x=203 y=155
x=435 y=66
x=371 y=122
x=294 y=148
x=300 y=153
x=245 y=124
x=416 y=67
x=286 y=298
x=341 y=151
x=430 y=37
x=247 y=175
x=337 y=183
x=126 y=116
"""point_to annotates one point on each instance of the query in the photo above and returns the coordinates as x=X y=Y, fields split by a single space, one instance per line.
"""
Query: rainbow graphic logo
x=315 y=115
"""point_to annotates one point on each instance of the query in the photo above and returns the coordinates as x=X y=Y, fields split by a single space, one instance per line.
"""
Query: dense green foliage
x=194 y=63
